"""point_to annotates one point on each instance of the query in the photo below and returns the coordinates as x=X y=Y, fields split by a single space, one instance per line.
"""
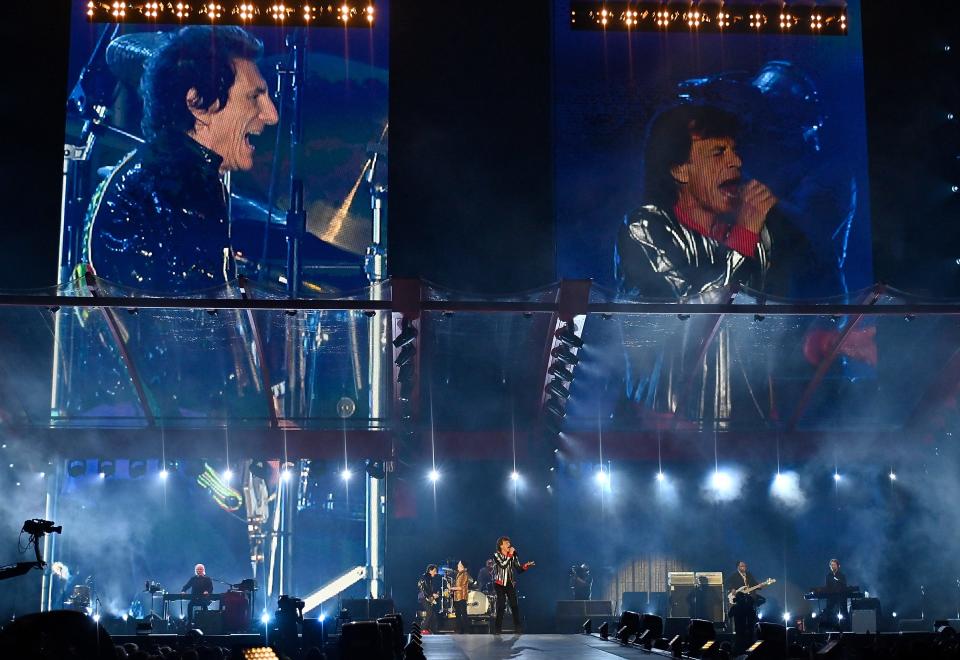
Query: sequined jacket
x=658 y=257
x=159 y=222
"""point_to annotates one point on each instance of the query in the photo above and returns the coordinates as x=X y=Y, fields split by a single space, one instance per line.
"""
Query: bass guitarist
x=741 y=588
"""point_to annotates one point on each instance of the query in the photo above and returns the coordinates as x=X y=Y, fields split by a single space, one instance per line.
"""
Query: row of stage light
x=720 y=480
x=262 y=14
x=716 y=16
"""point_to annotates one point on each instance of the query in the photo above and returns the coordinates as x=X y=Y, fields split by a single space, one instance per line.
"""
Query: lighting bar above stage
x=262 y=13
x=710 y=17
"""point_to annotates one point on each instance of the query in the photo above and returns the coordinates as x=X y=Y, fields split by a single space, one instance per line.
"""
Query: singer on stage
x=159 y=222
x=506 y=565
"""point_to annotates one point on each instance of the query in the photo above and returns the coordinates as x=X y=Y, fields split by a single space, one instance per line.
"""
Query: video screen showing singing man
x=703 y=227
x=160 y=222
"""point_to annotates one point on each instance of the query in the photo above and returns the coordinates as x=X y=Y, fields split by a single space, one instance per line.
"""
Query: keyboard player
x=200 y=587
x=835 y=590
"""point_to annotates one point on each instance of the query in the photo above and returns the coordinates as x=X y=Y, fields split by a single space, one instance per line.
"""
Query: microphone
x=127 y=55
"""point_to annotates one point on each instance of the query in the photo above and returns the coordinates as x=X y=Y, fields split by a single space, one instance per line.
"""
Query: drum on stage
x=478 y=603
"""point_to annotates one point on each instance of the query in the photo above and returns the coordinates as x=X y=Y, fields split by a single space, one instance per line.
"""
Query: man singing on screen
x=159 y=222
x=703 y=227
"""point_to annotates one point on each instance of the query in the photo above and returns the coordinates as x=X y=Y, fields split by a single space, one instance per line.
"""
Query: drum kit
x=479 y=603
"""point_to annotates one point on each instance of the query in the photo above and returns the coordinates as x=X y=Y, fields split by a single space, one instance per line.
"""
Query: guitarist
x=744 y=610
x=427 y=599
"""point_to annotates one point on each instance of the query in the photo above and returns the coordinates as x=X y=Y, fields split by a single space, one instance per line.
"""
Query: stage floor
x=527 y=647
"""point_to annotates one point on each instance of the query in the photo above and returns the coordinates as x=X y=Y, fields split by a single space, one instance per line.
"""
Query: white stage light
x=333 y=588
x=723 y=485
x=893 y=475
x=345 y=474
x=514 y=476
x=265 y=618
x=786 y=617
x=785 y=487
x=227 y=475
x=661 y=476
x=836 y=476
x=602 y=478
x=164 y=474
x=434 y=476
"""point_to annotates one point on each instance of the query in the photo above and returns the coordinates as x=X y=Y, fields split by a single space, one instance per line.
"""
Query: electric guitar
x=732 y=596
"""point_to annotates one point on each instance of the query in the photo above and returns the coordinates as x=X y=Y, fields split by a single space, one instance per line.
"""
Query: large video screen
x=210 y=141
x=700 y=149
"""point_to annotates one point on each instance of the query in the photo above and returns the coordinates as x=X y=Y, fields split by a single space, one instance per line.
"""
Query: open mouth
x=248 y=142
x=730 y=188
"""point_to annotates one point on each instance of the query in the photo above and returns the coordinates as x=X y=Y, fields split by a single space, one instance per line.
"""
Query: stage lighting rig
x=753 y=16
x=350 y=14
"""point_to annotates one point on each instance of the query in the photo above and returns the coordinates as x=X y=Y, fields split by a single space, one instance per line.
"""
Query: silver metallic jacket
x=657 y=257
x=159 y=222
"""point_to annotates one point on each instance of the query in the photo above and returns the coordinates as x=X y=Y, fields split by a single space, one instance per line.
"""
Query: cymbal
x=350 y=229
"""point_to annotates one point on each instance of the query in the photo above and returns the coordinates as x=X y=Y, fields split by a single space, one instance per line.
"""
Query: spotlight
x=77 y=468
x=568 y=336
x=345 y=474
x=514 y=476
x=556 y=407
x=565 y=355
x=813 y=615
x=96 y=617
x=661 y=477
x=723 y=485
x=227 y=475
x=558 y=369
x=587 y=627
x=786 y=488
x=786 y=617
x=434 y=476
x=839 y=616
x=265 y=618
x=893 y=475
x=164 y=474
x=102 y=475
x=286 y=475
x=556 y=388
x=894 y=615
x=405 y=356
x=107 y=468
x=604 y=630
x=602 y=477
x=408 y=334
x=836 y=476
x=721 y=481
x=124 y=616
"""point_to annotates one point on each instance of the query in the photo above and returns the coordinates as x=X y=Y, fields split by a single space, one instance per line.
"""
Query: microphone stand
x=296 y=215
x=293 y=92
